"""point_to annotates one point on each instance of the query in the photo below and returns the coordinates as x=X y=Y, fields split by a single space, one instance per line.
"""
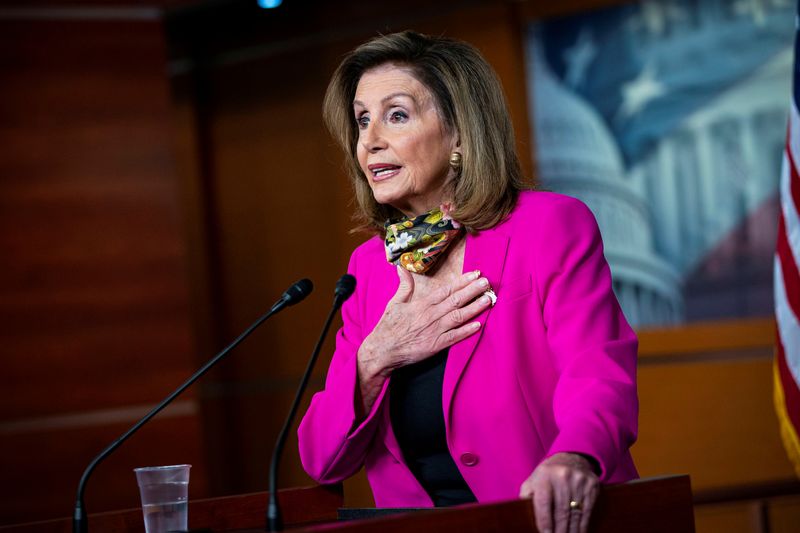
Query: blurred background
x=165 y=175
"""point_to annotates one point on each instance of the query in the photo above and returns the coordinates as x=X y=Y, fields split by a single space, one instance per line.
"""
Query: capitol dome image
x=577 y=155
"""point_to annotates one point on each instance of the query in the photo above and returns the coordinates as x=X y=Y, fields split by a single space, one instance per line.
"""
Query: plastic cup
x=165 y=497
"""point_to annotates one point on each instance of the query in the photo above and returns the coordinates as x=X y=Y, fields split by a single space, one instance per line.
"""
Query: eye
x=398 y=116
x=362 y=121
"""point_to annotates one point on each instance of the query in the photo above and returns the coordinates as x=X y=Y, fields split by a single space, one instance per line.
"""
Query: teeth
x=382 y=171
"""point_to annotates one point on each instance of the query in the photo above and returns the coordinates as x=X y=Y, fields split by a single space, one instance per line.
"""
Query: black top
x=418 y=423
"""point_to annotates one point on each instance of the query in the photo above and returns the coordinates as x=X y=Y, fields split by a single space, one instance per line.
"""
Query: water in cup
x=164 y=491
x=165 y=517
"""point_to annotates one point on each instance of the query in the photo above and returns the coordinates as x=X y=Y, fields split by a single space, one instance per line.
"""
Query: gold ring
x=575 y=506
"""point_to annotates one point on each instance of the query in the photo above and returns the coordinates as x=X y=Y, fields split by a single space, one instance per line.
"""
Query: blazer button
x=469 y=459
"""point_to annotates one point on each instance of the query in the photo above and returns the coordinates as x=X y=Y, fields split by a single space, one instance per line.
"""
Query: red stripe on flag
x=794 y=179
x=791 y=275
x=791 y=393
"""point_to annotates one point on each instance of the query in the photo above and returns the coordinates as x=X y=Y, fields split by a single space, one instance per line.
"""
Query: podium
x=309 y=505
x=653 y=505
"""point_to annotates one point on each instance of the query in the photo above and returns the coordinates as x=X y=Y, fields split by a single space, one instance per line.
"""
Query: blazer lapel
x=486 y=252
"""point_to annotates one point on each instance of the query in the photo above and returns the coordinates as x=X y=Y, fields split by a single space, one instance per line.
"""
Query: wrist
x=593 y=463
x=370 y=363
x=583 y=460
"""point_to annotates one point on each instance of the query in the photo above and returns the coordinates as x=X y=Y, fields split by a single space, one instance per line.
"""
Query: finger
x=406 y=287
x=561 y=497
x=576 y=485
x=575 y=514
x=543 y=507
x=450 y=337
x=458 y=316
x=589 y=498
x=526 y=490
x=448 y=290
x=575 y=521
x=464 y=296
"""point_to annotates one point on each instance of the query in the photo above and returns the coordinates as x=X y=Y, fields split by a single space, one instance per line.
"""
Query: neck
x=412 y=212
x=425 y=203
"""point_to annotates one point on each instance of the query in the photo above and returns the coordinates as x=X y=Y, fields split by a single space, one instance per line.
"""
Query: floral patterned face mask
x=416 y=244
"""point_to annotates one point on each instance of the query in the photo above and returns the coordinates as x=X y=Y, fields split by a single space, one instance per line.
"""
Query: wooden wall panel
x=44 y=466
x=273 y=188
x=706 y=409
x=784 y=514
x=730 y=518
x=713 y=420
x=94 y=314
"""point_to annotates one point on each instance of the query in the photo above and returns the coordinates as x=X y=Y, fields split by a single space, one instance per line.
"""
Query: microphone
x=294 y=294
x=344 y=288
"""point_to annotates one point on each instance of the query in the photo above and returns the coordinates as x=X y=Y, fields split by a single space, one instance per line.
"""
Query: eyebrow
x=388 y=97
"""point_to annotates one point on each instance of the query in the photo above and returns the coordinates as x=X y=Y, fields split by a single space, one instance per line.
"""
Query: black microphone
x=294 y=294
x=344 y=288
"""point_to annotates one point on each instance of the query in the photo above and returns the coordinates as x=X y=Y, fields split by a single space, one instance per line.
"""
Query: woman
x=488 y=357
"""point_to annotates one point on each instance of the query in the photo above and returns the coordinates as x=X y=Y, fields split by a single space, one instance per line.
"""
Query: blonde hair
x=470 y=101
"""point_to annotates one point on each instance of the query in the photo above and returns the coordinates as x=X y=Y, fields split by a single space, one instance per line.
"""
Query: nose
x=372 y=138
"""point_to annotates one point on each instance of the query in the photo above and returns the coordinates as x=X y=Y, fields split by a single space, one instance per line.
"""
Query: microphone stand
x=344 y=288
x=295 y=293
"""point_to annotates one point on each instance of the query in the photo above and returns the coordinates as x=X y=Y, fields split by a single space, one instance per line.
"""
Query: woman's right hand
x=416 y=326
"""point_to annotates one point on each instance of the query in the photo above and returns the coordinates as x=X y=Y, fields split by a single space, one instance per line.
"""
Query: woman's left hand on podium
x=564 y=488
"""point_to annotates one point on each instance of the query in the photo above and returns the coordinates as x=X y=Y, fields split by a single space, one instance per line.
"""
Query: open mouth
x=383 y=171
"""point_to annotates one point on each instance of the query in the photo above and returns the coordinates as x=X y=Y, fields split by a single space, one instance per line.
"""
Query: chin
x=386 y=198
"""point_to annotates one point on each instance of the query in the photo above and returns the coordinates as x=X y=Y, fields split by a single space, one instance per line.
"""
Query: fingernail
x=484 y=282
x=475 y=325
x=475 y=274
x=485 y=299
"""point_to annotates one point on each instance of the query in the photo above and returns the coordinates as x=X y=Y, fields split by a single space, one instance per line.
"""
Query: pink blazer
x=553 y=369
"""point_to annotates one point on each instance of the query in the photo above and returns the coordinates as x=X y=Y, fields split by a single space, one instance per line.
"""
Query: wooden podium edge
x=652 y=505
x=301 y=506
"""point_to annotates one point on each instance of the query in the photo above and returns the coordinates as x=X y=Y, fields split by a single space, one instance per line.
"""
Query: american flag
x=787 y=282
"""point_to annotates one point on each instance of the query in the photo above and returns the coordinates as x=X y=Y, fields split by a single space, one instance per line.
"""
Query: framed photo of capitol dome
x=668 y=119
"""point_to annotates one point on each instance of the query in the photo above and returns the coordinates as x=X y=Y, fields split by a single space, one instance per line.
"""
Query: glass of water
x=165 y=497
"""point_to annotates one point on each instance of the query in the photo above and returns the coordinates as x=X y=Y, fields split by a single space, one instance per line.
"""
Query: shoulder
x=549 y=210
x=365 y=265
x=368 y=252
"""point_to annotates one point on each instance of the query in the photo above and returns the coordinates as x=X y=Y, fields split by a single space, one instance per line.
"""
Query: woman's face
x=403 y=145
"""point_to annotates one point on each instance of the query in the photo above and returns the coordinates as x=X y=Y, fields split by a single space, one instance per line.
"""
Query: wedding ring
x=575 y=506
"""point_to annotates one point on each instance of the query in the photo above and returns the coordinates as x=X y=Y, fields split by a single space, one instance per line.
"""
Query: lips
x=382 y=171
